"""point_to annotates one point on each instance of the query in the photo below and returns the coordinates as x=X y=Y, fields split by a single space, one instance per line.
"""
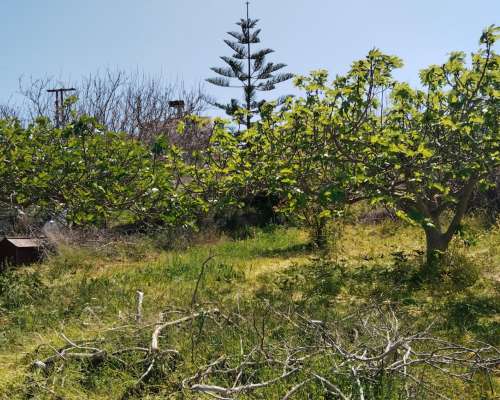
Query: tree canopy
x=422 y=151
x=423 y=154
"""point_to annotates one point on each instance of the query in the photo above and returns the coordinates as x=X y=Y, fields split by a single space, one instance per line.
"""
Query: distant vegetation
x=372 y=274
x=423 y=152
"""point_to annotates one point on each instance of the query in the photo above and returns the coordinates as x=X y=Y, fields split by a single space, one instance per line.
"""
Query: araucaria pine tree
x=248 y=68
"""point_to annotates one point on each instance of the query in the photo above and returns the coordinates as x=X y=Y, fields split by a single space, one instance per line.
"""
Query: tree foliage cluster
x=86 y=175
x=363 y=136
x=423 y=152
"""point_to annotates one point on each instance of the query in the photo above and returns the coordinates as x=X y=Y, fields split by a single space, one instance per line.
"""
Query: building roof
x=24 y=242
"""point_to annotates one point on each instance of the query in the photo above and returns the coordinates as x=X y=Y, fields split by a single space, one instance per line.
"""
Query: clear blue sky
x=182 y=38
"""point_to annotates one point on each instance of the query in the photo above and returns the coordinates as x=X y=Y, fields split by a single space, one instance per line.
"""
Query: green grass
x=87 y=292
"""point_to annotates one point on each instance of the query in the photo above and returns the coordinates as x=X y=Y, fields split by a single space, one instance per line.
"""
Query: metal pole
x=57 y=110
x=59 y=104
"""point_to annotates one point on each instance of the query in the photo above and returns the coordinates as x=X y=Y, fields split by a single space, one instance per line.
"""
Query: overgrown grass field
x=88 y=296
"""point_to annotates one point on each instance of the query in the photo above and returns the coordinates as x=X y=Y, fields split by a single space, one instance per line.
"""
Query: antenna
x=59 y=104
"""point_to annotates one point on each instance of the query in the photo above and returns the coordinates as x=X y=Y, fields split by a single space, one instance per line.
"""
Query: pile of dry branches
x=278 y=350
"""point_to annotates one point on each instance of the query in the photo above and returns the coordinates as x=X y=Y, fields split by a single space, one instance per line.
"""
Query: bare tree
x=36 y=101
x=6 y=111
x=136 y=103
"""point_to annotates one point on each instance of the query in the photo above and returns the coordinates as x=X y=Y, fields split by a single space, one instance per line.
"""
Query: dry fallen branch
x=294 y=390
x=343 y=357
x=140 y=299
x=239 y=389
x=160 y=327
x=331 y=387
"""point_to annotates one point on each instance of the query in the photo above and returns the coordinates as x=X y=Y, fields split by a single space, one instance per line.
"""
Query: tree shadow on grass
x=455 y=299
x=475 y=314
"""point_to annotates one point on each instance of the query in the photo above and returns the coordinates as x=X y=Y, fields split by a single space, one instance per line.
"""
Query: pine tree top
x=247 y=69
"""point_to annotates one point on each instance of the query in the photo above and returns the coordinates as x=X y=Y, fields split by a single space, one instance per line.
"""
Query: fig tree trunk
x=437 y=237
x=319 y=233
x=436 y=243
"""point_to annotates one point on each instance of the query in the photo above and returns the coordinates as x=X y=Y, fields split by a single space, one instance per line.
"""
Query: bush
x=459 y=270
x=319 y=282
x=452 y=271
x=18 y=290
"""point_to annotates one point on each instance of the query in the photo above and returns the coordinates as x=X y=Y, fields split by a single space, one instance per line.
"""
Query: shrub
x=18 y=289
